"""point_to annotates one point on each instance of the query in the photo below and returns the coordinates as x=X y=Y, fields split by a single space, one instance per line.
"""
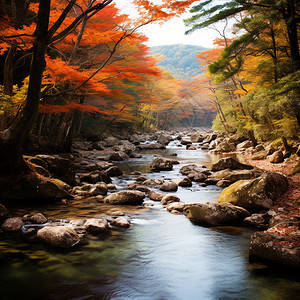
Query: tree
x=207 y=12
x=12 y=139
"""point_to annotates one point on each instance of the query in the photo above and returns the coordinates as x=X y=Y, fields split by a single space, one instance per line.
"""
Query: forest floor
x=290 y=201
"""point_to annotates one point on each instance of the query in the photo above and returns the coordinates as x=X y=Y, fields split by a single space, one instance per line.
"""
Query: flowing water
x=162 y=256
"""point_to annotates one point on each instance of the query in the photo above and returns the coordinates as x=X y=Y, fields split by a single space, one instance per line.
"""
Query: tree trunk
x=289 y=16
x=251 y=136
x=13 y=138
x=8 y=81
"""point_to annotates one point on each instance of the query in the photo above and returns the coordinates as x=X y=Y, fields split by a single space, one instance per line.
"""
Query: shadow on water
x=162 y=256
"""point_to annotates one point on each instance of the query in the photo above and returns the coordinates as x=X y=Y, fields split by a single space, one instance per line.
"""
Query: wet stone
x=12 y=224
x=38 y=218
x=121 y=222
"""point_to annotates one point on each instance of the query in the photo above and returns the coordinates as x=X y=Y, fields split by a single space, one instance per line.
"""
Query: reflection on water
x=163 y=256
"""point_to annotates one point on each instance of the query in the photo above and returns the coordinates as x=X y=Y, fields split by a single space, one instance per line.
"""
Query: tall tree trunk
x=289 y=15
x=9 y=71
x=13 y=138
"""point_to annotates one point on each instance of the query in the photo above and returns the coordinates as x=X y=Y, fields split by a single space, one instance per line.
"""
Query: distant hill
x=179 y=59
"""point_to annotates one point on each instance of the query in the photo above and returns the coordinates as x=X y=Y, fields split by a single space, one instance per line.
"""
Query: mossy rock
x=32 y=186
x=229 y=163
x=255 y=194
x=216 y=214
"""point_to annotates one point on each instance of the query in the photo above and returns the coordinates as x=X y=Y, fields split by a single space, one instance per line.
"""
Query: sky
x=171 y=32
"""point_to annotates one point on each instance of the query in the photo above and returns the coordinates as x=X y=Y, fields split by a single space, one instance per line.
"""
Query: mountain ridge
x=179 y=59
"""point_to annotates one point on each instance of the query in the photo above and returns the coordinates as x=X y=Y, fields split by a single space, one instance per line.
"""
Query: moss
x=229 y=194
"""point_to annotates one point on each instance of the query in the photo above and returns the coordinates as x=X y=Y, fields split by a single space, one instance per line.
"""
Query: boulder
x=137 y=187
x=191 y=147
x=3 y=212
x=216 y=214
x=197 y=176
x=197 y=138
x=100 y=145
x=99 y=166
x=185 y=142
x=244 y=145
x=184 y=182
x=32 y=187
x=256 y=194
x=259 y=155
x=257 y=220
x=77 y=222
x=111 y=141
x=120 y=222
x=38 y=218
x=259 y=147
x=141 y=178
x=277 y=157
x=169 y=198
x=155 y=196
x=225 y=146
x=125 y=198
x=169 y=186
x=95 y=176
x=82 y=145
x=113 y=171
x=118 y=156
x=229 y=163
x=59 y=167
x=278 y=245
x=96 y=225
x=164 y=139
x=125 y=147
x=150 y=146
x=58 y=236
x=12 y=224
x=235 y=175
x=161 y=164
x=153 y=182
x=223 y=183
x=99 y=188
x=177 y=206
x=185 y=170
x=211 y=137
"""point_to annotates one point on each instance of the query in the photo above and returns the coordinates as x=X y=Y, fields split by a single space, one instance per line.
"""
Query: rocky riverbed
x=250 y=195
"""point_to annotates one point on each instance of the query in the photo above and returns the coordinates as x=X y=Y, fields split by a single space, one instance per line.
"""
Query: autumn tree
x=256 y=65
x=44 y=33
x=12 y=139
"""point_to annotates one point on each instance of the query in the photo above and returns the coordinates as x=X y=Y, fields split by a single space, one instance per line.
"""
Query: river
x=162 y=256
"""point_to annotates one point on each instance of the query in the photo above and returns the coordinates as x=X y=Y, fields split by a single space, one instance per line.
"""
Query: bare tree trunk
x=13 y=138
x=8 y=81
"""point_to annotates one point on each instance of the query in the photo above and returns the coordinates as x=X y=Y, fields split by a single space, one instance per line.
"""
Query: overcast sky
x=172 y=32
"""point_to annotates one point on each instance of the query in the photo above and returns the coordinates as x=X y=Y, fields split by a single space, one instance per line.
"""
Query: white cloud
x=171 y=32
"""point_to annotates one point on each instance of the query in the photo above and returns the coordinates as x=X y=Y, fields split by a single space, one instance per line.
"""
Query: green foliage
x=208 y=13
x=9 y=105
x=277 y=114
x=179 y=59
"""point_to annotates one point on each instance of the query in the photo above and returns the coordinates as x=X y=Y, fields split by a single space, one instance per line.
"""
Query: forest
x=253 y=75
x=98 y=71
x=137 y=172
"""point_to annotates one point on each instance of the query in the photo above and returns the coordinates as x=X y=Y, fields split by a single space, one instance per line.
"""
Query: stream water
x=162 y=256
